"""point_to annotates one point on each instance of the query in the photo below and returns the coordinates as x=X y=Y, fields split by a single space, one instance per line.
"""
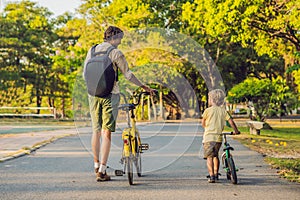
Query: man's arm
x=122 y=64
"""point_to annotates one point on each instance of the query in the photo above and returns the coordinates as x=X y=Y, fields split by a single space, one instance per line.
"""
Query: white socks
x=96 y=165
x=101 y=167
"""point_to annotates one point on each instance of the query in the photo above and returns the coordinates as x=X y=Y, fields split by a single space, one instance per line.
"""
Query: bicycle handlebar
x=230 y=133
x=139 y=97
x=132 y=106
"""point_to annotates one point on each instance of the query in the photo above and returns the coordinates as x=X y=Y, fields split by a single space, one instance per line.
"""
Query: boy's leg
x=209 y=156
x=210 y=165
x=216 y=162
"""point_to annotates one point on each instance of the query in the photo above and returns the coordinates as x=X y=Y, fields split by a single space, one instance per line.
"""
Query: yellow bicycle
x=132 y=146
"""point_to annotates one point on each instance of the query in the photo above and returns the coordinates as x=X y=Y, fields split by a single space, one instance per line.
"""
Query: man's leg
x=96 y=146
x=100 y=169
x=105 y=149
x=105 y=146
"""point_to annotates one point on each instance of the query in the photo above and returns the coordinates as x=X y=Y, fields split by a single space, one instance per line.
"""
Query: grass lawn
x=281 y=147
x=23 y=125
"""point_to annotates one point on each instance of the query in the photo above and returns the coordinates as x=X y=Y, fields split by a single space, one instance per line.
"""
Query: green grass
x=23 y=125
x=288 y=168
x=281 y=147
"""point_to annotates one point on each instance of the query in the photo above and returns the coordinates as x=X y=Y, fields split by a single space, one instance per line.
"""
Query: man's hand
x=148 y=89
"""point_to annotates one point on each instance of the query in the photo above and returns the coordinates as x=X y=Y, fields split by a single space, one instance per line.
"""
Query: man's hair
x=113 y=32
x=217 y=97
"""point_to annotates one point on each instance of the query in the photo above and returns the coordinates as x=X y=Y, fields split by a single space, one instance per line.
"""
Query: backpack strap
x=93 y=54
x=108 y=52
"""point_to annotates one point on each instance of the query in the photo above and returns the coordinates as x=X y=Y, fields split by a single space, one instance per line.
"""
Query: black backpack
x=99 y=73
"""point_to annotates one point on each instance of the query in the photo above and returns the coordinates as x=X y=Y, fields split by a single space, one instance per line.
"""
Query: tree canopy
x=41 y=56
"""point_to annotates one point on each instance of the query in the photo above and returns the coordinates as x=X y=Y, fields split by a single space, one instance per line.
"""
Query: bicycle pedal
x=119 y=172
x=144 y=146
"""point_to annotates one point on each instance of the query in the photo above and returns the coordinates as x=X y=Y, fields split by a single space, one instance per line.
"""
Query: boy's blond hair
x=217 y=97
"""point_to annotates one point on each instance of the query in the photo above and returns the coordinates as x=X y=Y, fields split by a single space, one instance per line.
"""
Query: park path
x=19 y=144
x=63 y=170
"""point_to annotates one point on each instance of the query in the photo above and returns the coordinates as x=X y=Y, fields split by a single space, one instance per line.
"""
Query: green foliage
x=265 y=94
x=42 y=57
x=289 y=168
x=26 y=50
x=270 y=25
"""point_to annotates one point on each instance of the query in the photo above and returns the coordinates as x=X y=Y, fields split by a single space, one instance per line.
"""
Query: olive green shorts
x=104 y=112
x=211 y=149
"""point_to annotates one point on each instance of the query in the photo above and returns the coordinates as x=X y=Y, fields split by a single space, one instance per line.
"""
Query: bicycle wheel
x=227 y=169
x=138 y=164
x=138 y=160
x=129 y=166
x=232 y=169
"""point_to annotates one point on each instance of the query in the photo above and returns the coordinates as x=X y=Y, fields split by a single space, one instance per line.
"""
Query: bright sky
x=58 y=7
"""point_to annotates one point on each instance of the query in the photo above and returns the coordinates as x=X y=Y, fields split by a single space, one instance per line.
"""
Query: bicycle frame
x=228 y=162
x=132 y=147
x=227 y=149
x=129 y=135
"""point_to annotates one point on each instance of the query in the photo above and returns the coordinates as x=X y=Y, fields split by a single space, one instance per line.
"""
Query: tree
x=26 y=51
x=127 y=15
x=67 y=63
x=265 y=94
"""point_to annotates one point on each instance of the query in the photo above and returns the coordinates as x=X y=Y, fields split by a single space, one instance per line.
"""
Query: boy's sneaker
x=212 y=179
x=101 y=176
x=217 y=176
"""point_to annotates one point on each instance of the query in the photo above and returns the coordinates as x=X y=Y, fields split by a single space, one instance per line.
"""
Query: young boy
x=213 y=121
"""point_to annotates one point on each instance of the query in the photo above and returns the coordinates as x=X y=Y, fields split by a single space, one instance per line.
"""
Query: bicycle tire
x=129 y=167
x=228 y=169
x=232 y=169
x=138 y=160
x=138 y=164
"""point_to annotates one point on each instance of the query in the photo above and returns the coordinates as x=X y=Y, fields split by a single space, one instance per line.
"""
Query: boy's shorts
x=104 y=112
x=211 y=149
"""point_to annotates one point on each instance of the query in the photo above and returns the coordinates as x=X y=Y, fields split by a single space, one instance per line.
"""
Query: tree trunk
x=162 y=114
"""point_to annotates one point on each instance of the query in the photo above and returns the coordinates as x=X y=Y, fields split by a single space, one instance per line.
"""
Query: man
x=104 y=110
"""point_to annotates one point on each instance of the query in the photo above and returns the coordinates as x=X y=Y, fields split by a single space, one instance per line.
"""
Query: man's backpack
x=99 y=73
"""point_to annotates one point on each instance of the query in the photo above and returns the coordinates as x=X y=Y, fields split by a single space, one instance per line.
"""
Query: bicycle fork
x=225 y=156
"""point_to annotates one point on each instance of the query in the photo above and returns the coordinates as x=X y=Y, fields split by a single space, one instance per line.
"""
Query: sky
x=57 y=7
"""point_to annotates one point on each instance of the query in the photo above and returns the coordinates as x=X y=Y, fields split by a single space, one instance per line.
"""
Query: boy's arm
x=233 y=125
x=203 y=122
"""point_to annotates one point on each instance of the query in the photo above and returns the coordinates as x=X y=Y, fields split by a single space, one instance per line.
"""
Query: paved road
x=173 y=170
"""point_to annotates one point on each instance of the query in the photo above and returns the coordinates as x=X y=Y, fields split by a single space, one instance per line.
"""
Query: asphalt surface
x=173 y=169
